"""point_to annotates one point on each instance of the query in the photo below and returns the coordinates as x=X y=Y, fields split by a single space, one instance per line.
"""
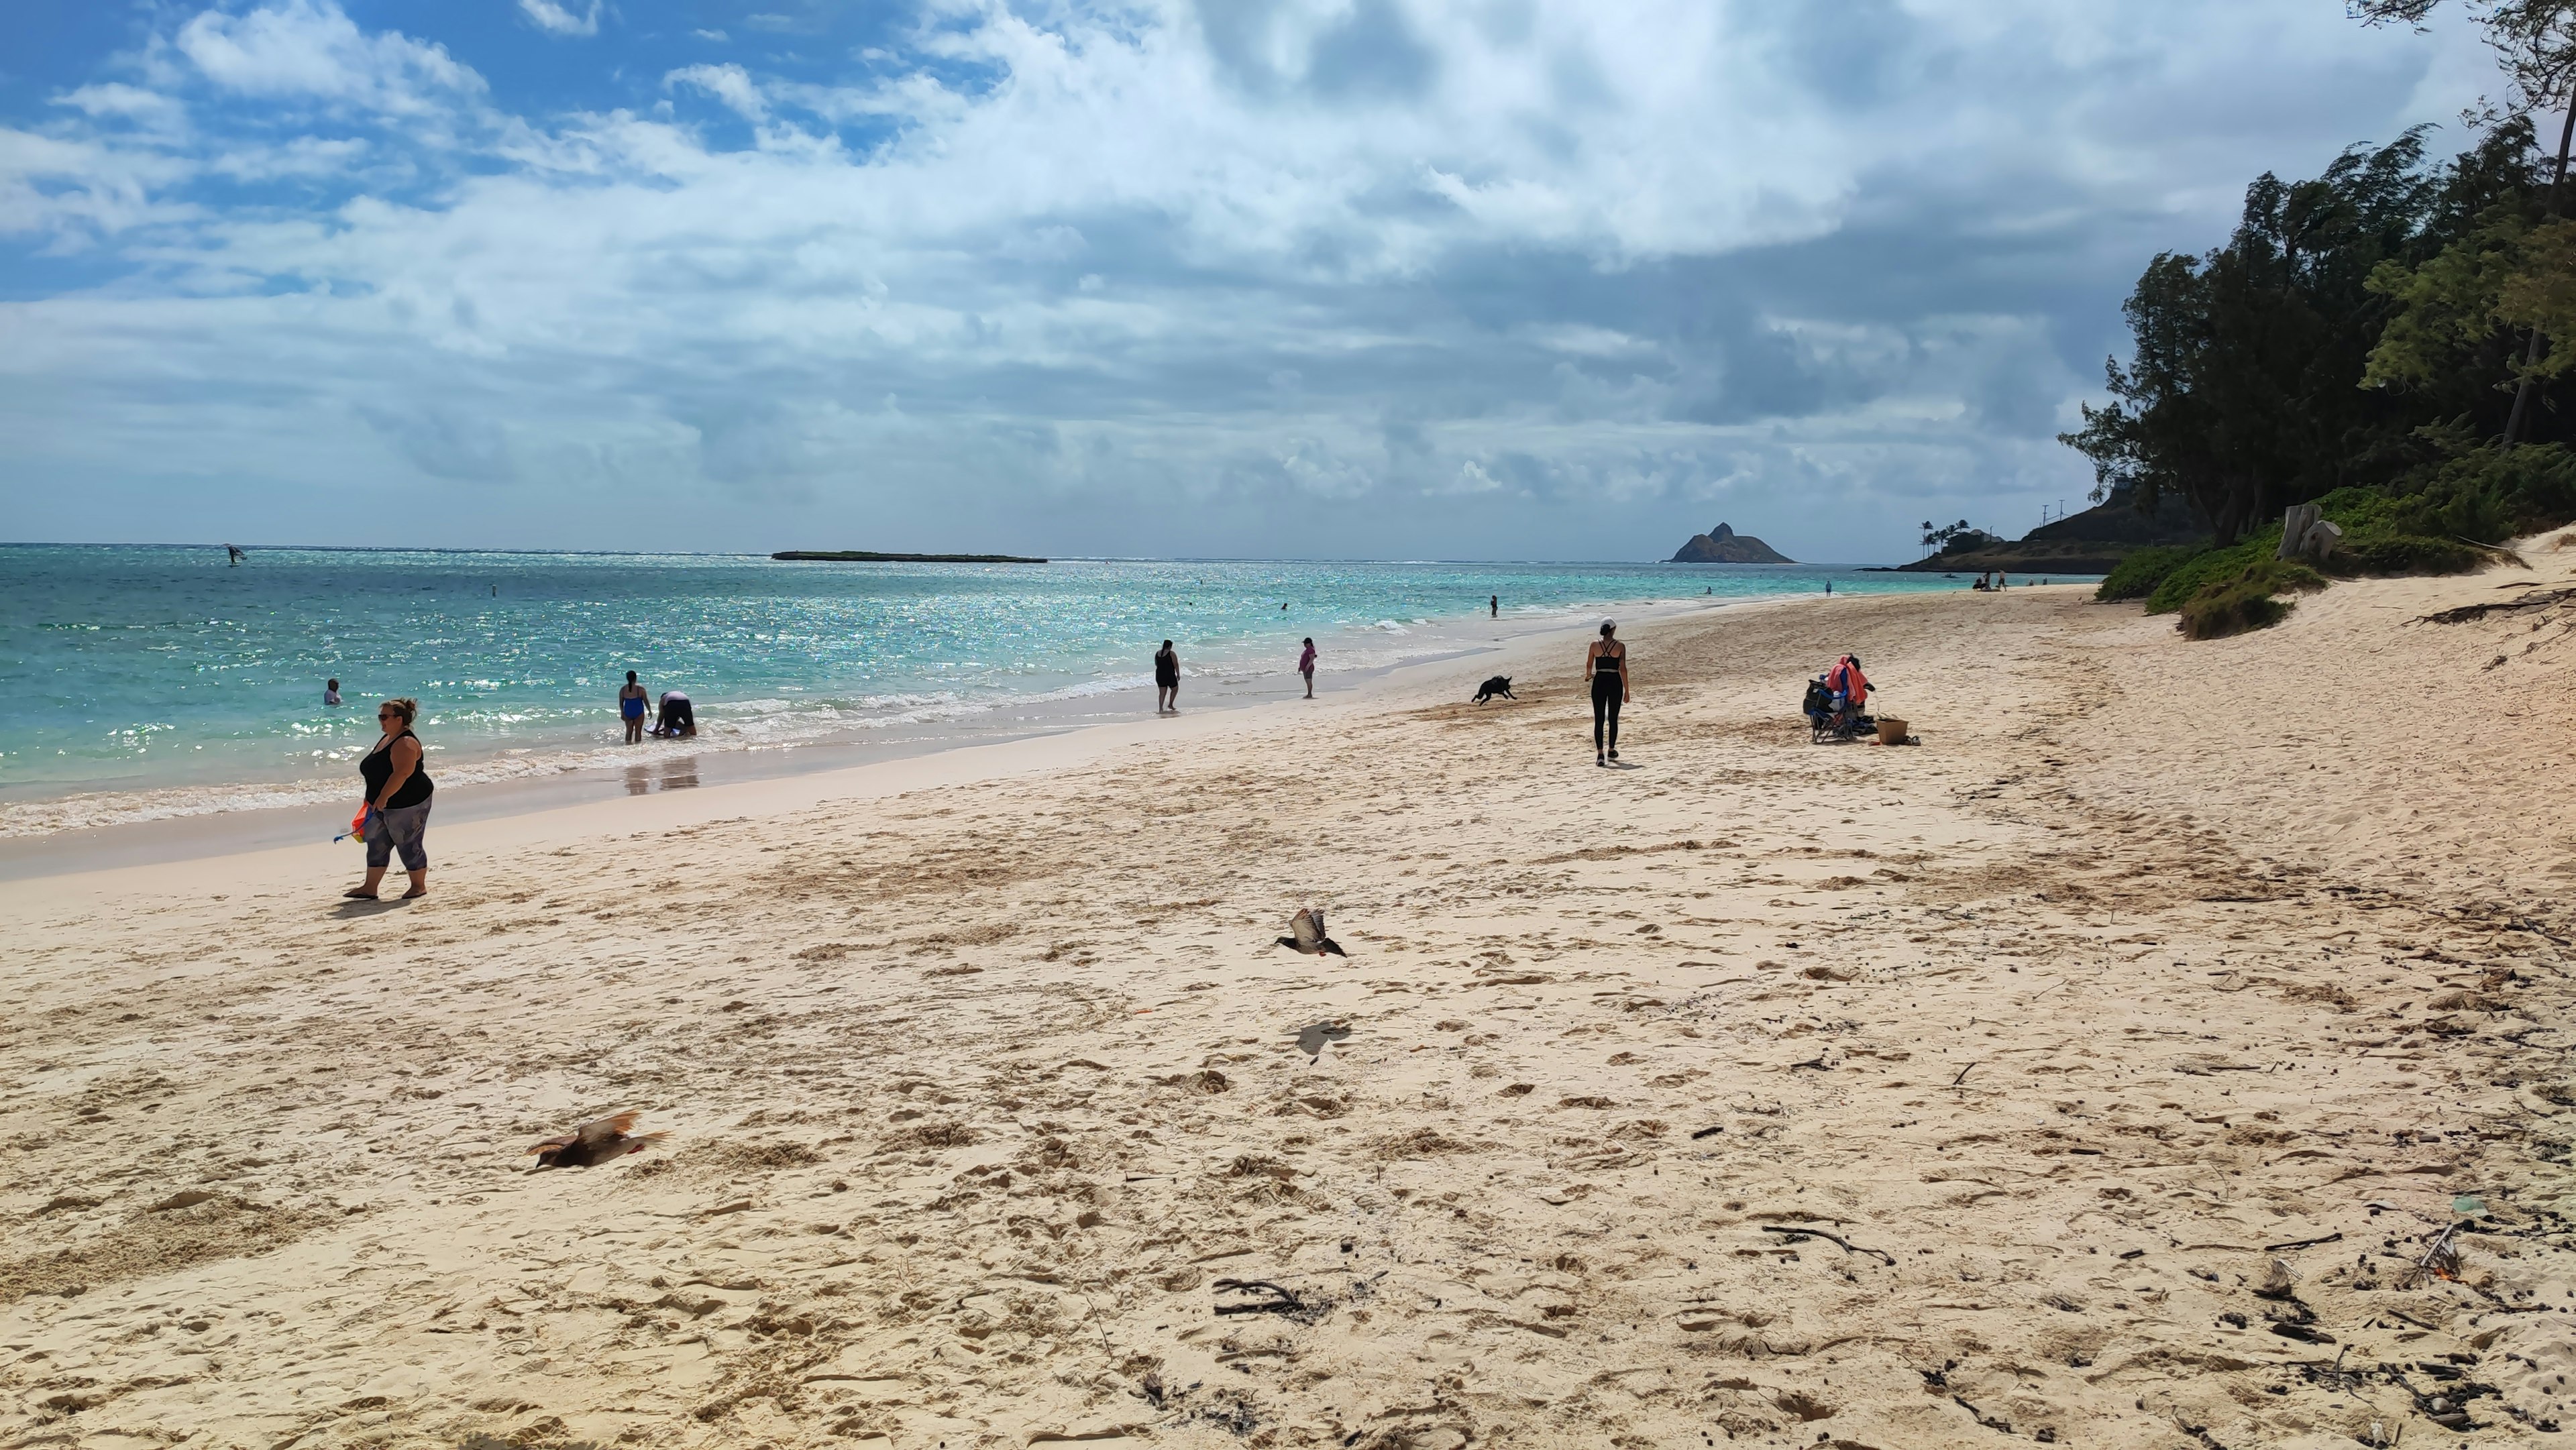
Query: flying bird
x=1307 y=935
x=595 y=1142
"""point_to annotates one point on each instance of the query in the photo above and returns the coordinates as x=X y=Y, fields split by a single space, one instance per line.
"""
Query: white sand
x=981 y=1074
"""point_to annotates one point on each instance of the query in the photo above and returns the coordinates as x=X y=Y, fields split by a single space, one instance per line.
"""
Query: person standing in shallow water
x=1496 y=605
x=630 y=706
x=398 y=792
x=1167 y=680
x=330 y=692
x=1306 y=666
x=1605 y=664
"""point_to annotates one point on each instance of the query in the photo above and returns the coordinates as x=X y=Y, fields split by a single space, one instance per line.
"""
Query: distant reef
x=1723 y=545
x=864 y=556
x=2092 y=542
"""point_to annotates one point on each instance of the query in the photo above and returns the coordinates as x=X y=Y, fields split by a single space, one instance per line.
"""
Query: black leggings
x=1605 y=711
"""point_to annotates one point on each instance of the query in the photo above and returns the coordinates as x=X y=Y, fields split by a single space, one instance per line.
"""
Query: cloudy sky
x=1273 y=278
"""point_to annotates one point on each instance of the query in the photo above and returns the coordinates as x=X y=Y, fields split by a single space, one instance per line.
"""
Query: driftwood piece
x=2306 y=535
x=1794 y=1233
x=2467 y=613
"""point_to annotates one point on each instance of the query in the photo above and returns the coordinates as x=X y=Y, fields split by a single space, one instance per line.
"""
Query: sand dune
x=1763 y=1092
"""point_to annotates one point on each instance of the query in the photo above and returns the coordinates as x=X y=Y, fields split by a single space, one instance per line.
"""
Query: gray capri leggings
x=398 y=829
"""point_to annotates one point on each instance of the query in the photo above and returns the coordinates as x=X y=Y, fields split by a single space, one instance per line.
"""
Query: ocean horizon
x=150 y=681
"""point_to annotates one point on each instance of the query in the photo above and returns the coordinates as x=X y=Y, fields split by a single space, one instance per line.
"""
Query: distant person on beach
x=675 y=720
x=1999 y=578
x=1167 y=680
x=630 y=706
x=330 y=692
x=1306 y=666
x=1829 y=586
x=1605 y=664
x=1496 y=605
x=398 y=793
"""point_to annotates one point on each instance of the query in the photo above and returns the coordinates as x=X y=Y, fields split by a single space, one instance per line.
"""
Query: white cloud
x=310 y=48
x=728 y=83
x=557 y=19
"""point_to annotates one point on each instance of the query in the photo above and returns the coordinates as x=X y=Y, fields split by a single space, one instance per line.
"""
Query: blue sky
x=1303 y=278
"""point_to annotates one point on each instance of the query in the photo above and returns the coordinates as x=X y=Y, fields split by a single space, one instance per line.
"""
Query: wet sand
x=1761 y=1092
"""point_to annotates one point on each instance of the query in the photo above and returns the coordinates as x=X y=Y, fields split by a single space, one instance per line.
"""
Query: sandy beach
x=1759 y=1092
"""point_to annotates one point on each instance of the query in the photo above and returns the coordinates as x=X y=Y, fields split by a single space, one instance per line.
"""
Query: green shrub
x=2404 y=554
x=2243 y=601
x=2137 y=576
x=2210 y=566
x=2486 y=492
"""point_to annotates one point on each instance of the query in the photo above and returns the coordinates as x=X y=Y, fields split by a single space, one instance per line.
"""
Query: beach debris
x=1311 y=1040
x=2469 y=1205
x=2280 y=1281
x=1708 y=1132
x=595 y=1142
x=2332 y=1238
x=1793 y=1233
x=2304 y=1333
x=1817 y=1062
x=2541 y=599
x=1991 y=1422
x=1306 y=934
x=1279 y=1299
x=2442 y=1260
x=1963 y=1075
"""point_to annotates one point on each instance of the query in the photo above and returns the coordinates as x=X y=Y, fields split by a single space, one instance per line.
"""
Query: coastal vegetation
x=2392 y=340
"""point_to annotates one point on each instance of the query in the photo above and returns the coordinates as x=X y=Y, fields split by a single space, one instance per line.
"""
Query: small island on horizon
x=866 y=556
x=1723 y=545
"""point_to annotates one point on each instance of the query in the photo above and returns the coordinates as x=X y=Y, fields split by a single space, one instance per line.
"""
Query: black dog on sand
x=1498 y=685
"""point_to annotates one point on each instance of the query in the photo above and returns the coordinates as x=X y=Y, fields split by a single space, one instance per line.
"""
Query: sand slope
x=986 y=1101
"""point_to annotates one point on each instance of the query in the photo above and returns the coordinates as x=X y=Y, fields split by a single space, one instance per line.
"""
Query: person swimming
x=330 y=692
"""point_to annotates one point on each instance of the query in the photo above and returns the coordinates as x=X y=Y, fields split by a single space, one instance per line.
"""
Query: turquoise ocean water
x=151 y=681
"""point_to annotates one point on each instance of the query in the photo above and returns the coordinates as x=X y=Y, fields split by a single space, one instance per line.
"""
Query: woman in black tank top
x=1605 y=664
x=398 y=792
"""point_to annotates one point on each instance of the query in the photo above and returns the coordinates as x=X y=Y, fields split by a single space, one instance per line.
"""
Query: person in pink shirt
x=1306 y=666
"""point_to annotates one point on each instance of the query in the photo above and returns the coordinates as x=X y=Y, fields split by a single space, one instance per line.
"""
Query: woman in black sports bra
x=1605 y=664
x=398 y=792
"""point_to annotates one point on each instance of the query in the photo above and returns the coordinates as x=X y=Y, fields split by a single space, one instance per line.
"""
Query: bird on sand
x=1307 y=935
x=594 y=1142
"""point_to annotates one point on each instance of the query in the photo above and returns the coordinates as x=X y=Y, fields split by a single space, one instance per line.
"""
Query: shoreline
x=676 y=766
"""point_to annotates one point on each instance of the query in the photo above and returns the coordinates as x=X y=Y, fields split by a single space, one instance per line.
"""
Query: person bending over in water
x=675 y=720
x=1306 y=666
x=1605 y=664
x=1167 y=680
x=330 y=692
x=630 y=706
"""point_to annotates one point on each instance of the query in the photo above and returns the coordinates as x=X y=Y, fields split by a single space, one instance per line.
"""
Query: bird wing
x=1317 y=913
x=1306 y=929
x=601 y=1130
x=557 y=1143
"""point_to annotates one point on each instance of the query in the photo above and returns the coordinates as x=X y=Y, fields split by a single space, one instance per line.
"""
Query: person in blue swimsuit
x=630 y=704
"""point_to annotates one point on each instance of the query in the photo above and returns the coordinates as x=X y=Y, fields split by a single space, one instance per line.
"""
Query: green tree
x=2242 y=392
x=2535 y=43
